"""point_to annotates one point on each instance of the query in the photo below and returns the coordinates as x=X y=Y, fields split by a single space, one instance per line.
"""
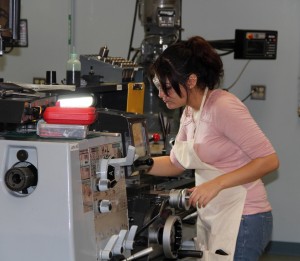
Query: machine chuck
x=21 y=176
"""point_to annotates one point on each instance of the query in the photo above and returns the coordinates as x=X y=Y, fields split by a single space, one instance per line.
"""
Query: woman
x=222 y=142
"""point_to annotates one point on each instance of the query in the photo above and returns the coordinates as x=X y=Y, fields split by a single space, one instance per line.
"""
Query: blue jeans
x=254 y=235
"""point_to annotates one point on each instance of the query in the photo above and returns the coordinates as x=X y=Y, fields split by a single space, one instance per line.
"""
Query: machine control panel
x=255 y=44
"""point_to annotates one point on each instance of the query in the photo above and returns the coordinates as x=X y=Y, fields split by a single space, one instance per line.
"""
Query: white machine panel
x=62 y=216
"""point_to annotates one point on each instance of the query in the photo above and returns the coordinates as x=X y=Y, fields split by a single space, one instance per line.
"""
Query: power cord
x=252 y=91
x=239 y=76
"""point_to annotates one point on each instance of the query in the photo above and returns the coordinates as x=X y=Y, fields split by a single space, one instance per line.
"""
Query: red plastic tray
x=80 y=116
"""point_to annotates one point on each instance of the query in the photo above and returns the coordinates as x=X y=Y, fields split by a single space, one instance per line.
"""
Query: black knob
x=22 y=155
x=146 y=161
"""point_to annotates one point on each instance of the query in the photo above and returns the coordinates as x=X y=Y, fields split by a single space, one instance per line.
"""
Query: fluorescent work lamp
x=76 y=101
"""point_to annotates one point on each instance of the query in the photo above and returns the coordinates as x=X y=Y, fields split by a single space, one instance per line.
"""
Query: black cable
x=137 y=51
x=239 y=76
x=222 y=44
x=10 y=50
x=226 y=53
x=226 y=46
x=247 y=96
x=132 y=30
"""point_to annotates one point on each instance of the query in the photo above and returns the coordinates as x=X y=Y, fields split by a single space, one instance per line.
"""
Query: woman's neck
x=196 y=97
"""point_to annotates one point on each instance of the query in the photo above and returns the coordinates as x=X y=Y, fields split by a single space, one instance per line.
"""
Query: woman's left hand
x=202 y=194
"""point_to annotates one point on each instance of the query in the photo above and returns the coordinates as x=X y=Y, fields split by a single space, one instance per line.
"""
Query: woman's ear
x=192 y=81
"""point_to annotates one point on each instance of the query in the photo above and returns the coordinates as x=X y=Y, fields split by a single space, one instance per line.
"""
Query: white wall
x=108 y=22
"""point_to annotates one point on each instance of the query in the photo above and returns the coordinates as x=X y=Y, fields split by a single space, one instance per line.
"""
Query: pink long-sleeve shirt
x=228 y=138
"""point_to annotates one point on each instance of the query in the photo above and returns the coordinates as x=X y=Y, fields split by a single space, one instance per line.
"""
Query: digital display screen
x=256 y=44
x=256 y=47
x=139 y=139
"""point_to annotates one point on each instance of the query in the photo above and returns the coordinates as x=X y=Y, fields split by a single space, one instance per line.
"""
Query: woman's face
x=171 y=98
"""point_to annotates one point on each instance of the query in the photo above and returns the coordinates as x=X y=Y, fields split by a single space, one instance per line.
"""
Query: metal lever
x=128 y=160
x=103 y=182
x=129 y=240
x=190 y=253
x=106 y=253
x=139 y=254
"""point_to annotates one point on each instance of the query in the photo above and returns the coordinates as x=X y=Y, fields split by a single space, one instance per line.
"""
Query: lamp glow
x=68 y=101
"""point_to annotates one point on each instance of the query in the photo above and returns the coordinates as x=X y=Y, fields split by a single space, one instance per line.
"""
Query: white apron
x=218 y=223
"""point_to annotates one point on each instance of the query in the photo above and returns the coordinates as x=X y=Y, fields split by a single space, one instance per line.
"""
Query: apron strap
x=203 y=100
x=200 y=111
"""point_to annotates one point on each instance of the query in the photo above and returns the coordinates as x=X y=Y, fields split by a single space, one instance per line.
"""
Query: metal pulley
x=172 y=237
x=179 y=199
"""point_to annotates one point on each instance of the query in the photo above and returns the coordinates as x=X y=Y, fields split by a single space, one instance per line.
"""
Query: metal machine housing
x=60 y=217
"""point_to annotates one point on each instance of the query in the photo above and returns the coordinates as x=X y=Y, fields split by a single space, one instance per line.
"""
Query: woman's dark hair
x=180 y=60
